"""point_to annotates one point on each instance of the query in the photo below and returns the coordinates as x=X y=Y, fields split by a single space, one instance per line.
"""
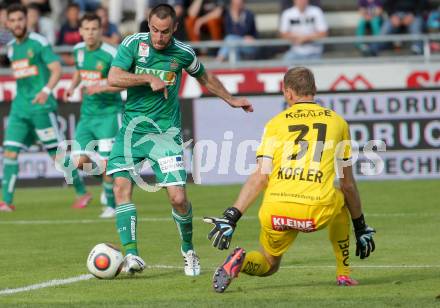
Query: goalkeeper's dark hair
x=163 y=11
x=16 y=7
x=90 y=17
x=300 y=80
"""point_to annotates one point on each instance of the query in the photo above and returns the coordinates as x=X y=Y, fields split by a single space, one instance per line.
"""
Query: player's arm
x=55 y=76
x=74 y=83
x=224 y=227
x=351 y=193
x=364 y=234
x=103 y=89
x=214 y=85
x=120 y=78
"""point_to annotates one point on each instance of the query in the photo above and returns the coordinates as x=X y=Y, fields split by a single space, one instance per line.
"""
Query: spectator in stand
x=287 y=4
x=69 y=33
x=179 y=7
x=433 y=25
x=110 y=33
x=371 y=17
x=40 y=24
x=239 y=25
x=43 y=5
x=303 y=24
x=5 y=34
x=88 y=5
x=406 y=14
x=205 y=14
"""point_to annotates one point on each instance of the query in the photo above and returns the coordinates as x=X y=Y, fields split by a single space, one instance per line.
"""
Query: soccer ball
x=105 y=261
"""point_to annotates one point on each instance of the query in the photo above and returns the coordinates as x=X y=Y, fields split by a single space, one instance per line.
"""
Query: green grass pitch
x=45 y=240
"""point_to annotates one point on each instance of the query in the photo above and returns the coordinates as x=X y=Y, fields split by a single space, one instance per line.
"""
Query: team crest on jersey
x=144 y=49
x=99 y=66
x=173 y=64
x=80 y=57
x=30 y=53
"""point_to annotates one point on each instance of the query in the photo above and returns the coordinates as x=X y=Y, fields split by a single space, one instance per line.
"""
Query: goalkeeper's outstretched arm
x=254 y=185
x=223 y=227
x=364 y=234
x=351 y=193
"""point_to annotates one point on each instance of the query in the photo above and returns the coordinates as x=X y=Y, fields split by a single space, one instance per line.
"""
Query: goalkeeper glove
x=364 y=237
x=223 y=228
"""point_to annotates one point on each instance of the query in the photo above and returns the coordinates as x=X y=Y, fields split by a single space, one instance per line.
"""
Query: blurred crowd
x=302 y=22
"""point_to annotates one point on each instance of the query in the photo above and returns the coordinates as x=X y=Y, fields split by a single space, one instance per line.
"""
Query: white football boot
x=133 y=264
x=192 y=263
x=108 y=212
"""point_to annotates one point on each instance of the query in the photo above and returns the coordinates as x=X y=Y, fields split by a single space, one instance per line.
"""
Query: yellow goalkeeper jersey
x=305 y=143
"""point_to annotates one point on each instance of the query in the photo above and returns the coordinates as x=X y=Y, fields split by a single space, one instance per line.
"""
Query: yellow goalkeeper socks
x=339 y=229
x=255 y=264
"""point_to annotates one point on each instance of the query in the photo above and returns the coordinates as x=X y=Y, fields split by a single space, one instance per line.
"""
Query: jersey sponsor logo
x=168 y=77
x=282 y=223
x=344 y=245
x=171 y=163
x=91 y=78
x=304 y=113
x=144 y=50
x=46 y=134
x=22 y=69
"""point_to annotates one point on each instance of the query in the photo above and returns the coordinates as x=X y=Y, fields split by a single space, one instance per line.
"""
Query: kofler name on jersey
x=300 y=174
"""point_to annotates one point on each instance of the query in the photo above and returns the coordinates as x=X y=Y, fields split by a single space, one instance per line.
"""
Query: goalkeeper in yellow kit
x=302 y=150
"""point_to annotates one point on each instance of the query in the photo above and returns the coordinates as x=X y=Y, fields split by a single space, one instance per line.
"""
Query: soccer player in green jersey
x=101 y=105
x=33 y=113
x=150 y=65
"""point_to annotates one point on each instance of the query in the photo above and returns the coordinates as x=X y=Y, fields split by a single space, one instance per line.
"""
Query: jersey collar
x=24 y=39
x=305 y=102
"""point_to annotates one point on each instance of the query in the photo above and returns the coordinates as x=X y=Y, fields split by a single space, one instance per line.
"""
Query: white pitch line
x=59 y=282
x=159 y=266
x=161 y=219
x=47 y=284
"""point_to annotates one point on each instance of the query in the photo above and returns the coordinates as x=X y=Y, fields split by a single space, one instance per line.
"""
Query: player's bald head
x=301 y=81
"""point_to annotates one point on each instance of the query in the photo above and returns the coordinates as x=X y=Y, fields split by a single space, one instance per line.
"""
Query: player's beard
x=20 y=35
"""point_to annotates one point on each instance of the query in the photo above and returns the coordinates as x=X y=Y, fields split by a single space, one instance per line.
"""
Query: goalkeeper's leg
x=339 y=229
x=255 y=263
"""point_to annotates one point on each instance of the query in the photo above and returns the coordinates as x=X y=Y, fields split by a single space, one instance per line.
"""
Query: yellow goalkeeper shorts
x=281 y=222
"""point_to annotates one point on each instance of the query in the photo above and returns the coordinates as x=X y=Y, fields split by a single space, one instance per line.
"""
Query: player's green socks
x=255 y=264
x=77 y=181
x=185 y=227
x=126 y=222
x=110 y=196
x=10 y=172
